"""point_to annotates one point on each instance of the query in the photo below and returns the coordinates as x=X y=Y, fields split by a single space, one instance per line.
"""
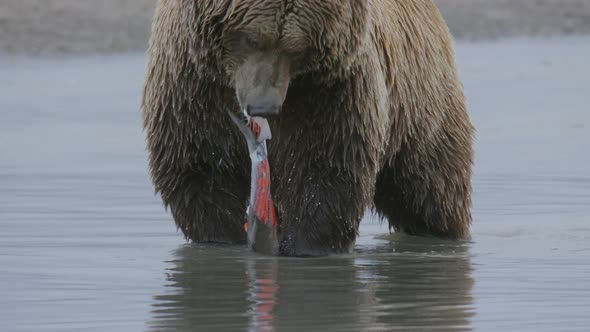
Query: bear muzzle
x=261 y=84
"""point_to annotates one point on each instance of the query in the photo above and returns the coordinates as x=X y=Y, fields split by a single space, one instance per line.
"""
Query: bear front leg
x=324 y=157
x=319 y=212
x=209 y=206
x=425 y=189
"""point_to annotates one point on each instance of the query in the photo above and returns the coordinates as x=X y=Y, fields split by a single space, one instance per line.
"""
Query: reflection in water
x=427 y=283
x=405 y=283
x=263 y=289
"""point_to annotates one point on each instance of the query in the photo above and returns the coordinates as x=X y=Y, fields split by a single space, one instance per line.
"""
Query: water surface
x=86 y=245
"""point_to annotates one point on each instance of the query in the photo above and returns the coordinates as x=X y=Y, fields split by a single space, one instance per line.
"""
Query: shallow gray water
x=86 y=246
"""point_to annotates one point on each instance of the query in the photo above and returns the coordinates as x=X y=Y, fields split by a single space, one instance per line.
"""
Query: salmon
x=262 y=222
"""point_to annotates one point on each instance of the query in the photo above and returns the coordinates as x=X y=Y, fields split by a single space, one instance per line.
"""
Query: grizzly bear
x=366 y=111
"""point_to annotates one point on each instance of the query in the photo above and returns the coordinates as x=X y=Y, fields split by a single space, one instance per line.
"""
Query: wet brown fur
x=374 y=116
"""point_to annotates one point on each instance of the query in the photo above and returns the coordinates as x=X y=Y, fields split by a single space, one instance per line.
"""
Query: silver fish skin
x=262 y=227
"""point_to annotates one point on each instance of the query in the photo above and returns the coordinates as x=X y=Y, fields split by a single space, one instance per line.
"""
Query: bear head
x=258 y=46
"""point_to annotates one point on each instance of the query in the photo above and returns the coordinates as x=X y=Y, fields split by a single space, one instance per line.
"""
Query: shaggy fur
x=374 y=115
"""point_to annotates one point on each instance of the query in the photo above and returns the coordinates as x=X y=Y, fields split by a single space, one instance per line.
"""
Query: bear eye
x=312 y=53
x=251 y=42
